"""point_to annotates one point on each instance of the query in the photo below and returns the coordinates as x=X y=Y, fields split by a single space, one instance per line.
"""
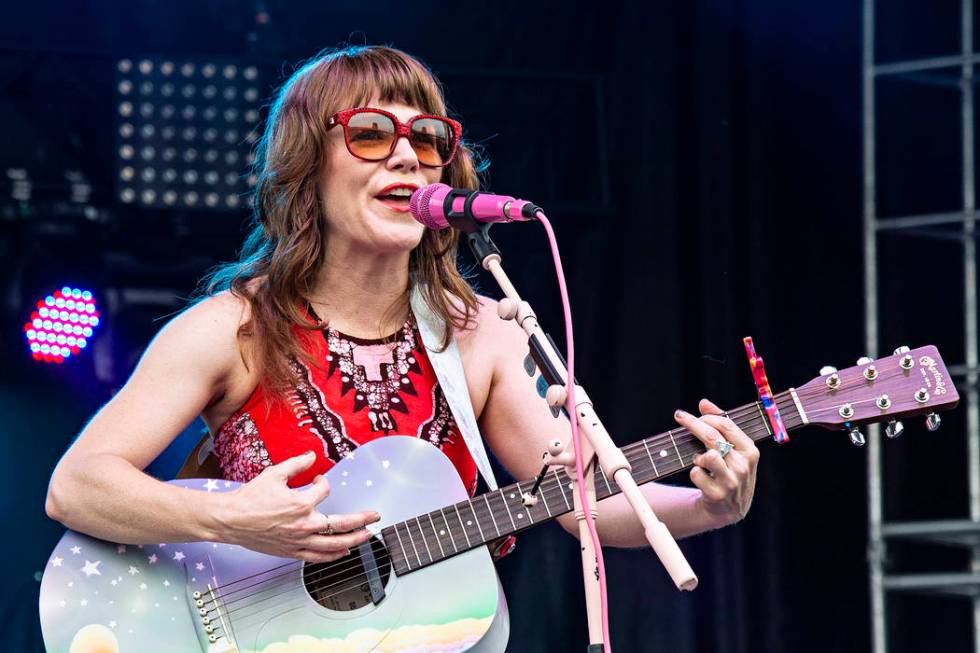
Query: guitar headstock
x=907 y=383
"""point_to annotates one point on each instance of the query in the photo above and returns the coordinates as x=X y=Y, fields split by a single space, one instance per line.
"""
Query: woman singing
x=309 y=345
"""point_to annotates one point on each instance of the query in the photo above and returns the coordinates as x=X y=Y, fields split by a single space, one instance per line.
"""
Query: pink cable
x=570 y=407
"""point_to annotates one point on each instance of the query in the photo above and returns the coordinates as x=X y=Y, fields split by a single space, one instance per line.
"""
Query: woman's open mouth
x=397 y=197
x=395 y=202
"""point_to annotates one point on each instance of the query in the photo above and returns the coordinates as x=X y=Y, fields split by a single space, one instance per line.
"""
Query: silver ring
x=723 y=446
x=329 y=530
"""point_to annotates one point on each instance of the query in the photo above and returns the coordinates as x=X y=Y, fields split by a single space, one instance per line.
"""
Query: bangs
x=361 y=75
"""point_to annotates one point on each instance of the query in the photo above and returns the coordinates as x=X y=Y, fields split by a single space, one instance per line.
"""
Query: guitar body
x=100 y=597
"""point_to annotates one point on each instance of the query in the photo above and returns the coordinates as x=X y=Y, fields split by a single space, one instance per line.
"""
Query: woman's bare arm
x=99 y=487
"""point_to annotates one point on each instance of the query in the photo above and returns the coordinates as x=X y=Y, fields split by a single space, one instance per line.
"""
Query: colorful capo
x=765 y=394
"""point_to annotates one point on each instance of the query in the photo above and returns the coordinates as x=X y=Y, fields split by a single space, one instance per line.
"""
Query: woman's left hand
x=726 y=483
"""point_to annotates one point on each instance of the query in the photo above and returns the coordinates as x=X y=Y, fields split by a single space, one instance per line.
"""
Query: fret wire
x=486 y=500
x=402 y=547
x=449 y=529
x=544 y=499
x=509 y=514
x=528 y=510
x=650 y=456
x=671 y=434
x=435 y=533
x=606 y=480
x=561 y=489
x=764 y=417
x=424 y=538
x=412 y=540
x=477 y=520
x=462 y=525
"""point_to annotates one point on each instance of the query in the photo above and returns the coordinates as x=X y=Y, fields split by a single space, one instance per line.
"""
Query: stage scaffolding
x=961 y=532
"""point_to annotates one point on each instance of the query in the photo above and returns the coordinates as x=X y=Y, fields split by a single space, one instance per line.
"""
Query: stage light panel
x=61 y=325
x=186 y=116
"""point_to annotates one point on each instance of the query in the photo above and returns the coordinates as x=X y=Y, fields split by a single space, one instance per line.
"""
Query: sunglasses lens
x=370 y=135
x=433 y=140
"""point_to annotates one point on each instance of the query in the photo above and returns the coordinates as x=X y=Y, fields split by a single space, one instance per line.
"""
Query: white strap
x=448 y=367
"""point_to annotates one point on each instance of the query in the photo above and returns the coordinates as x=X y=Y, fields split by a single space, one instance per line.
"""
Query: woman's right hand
x=268 y=516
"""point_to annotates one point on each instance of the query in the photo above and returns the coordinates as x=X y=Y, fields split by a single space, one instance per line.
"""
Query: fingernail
x=309 y=453
x=377 y=516
x=679 y=413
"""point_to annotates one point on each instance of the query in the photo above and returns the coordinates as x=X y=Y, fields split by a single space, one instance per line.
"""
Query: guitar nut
x=871 y=373
x=883 y=402
x=846 y=411
x=907 y=362
x=922 y=395
x=833 y=381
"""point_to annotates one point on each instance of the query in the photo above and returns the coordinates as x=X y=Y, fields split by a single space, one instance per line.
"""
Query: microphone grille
x=419 y=206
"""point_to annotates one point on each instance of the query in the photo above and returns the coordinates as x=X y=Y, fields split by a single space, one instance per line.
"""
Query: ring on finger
x=723 y=446
x=329 y=529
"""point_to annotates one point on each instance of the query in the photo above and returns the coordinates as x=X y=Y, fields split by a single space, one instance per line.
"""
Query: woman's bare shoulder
x=486 y=330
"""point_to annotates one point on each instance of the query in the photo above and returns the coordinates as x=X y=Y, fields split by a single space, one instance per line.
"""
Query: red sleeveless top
x=360 y=390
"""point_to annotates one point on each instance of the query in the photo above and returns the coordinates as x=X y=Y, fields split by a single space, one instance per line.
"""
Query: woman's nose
x=403 y=156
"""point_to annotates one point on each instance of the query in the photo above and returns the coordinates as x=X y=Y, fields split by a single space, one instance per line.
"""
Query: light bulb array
x=61 y=325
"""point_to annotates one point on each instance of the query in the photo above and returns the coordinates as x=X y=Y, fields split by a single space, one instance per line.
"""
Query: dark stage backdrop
x=733 y=209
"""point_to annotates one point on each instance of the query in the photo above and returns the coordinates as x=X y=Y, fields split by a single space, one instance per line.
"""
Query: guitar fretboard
x=431 y=537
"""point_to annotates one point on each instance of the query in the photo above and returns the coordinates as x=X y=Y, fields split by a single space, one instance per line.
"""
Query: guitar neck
x=429 y=538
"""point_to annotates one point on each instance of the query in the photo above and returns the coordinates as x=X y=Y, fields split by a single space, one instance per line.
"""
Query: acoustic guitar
x=425 y=582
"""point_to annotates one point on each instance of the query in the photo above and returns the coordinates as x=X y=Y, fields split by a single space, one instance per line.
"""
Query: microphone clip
x=462 y=220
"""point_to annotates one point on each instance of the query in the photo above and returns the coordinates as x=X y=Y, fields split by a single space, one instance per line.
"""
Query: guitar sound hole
x=343 y=584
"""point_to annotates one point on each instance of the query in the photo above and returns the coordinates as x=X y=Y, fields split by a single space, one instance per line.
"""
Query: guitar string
x=763 y=432
x=325 y=575
x=331 y=572
x=633 y=448
x=350 y=585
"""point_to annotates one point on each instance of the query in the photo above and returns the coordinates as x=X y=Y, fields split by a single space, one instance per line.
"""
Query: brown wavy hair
x=284 y=249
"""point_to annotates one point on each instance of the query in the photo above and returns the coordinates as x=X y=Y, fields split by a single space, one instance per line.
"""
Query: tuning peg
x=894 y=429
x=933 y=421
x=864 y=360
x=827 y=369
x=902 y=350
x=857 y=438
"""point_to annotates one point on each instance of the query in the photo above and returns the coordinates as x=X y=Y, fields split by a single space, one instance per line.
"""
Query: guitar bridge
x=211 y=620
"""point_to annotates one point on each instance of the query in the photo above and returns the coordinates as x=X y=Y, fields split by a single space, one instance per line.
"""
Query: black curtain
x=734 y=151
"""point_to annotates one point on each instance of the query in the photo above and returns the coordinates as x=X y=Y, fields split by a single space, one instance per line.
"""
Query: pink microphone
x=438 y=206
